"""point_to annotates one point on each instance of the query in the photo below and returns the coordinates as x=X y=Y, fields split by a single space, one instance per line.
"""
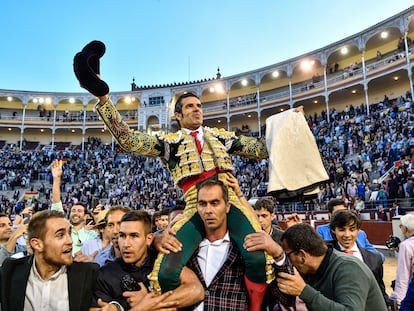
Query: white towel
x=295 y=164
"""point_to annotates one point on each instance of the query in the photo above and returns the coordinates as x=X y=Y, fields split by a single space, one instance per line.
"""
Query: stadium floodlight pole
x=228 y=106
x=364 y=76
x=325 y=86
x=22 y=128
x=258 y=110
x=407 y=59
x=55 y=103
x=289 y=72
x=85 y=104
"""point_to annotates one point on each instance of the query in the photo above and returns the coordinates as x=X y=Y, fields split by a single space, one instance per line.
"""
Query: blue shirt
x=362 y=240
x=91 y=245
x=105 y=255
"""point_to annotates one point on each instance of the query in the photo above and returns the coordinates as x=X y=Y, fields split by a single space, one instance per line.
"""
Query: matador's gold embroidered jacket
x=178 y=150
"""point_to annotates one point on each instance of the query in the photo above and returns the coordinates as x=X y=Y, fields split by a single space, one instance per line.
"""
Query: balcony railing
x=336 y=80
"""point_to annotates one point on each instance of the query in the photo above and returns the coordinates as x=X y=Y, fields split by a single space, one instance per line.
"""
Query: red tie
x=197 y=141
x=349 y=251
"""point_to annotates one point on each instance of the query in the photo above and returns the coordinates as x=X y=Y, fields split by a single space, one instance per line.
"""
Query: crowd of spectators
x=96 y=175
x=356 y=149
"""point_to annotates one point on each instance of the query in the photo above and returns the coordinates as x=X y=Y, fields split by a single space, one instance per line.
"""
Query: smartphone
x=26 y=218
x=89 y=221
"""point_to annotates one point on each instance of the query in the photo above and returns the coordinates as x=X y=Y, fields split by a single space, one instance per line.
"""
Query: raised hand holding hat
x=86 y=68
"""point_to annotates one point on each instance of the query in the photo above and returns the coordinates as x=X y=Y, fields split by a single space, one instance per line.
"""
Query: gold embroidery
x=220 y=132
x=252 y=148
x=129 y=139
x=171 y=138
x=218 y=153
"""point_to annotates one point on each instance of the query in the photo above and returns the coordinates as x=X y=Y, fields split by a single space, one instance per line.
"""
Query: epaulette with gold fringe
x=220 y=132
x=171 y=138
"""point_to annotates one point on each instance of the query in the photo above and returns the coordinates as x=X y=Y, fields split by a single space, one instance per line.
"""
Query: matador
x=192 y=154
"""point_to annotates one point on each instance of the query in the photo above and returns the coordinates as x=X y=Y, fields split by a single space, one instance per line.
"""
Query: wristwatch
x=117 y=305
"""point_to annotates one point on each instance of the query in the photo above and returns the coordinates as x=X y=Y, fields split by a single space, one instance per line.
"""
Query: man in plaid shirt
x=218 y=262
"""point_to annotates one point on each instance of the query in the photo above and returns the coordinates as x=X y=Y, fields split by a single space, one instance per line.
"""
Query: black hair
x=4 y=215
x=344 y=218
x=214 y=182
x=303 y=236
x=155 y=215
x=335 y=202
x=165 y=212
x=140 y=215
x=178 y=104
x=265 y=203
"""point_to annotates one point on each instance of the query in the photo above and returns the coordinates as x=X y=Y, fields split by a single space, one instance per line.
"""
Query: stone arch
x=153 y=124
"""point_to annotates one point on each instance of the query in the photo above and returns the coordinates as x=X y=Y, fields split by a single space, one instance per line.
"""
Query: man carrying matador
x=192 y=154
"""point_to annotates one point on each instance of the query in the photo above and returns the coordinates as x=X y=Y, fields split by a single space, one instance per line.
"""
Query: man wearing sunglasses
x=324 y=278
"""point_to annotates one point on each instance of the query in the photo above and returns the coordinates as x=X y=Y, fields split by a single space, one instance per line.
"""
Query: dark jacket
x=14 y=275
x=116 y=277
x=276 y=234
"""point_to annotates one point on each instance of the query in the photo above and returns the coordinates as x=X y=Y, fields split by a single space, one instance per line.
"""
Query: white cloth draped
x=295 y=164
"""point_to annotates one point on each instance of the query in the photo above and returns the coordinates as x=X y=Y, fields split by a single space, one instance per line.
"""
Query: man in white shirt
x=324 y=231
x=345 y=226
x=49 y=279
x=218 y=263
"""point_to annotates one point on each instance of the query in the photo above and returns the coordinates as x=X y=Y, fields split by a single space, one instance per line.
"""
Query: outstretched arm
x=129 y=139
x=187 y=294
x=251 y=147
x=57 y=171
